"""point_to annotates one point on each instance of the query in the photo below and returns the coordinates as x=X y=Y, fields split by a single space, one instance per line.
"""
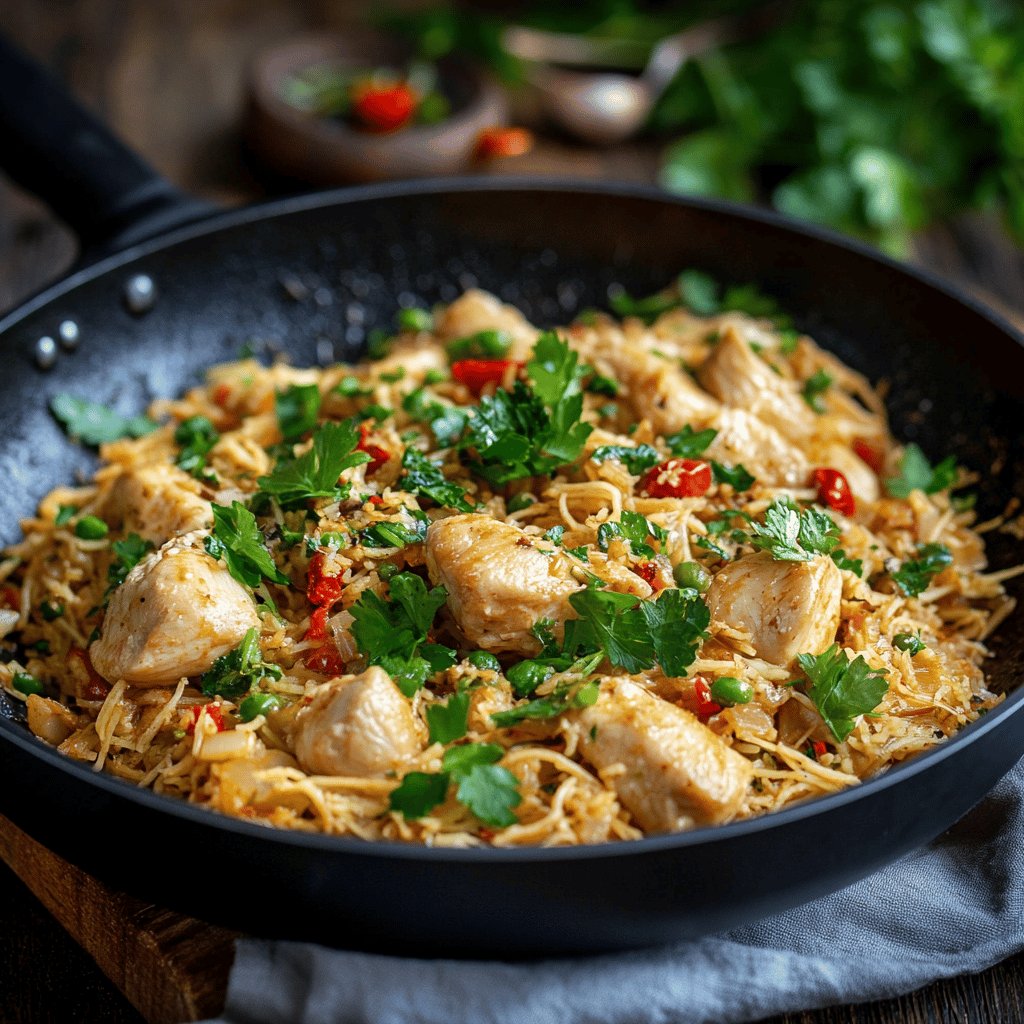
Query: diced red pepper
x=321 y=589
x=706 y=707
x=11 y=597
x=384 y=108
x=213 y=712
x=500 y=141
x=677 y=478
x=95 y=686
x=326 y=660
x=476 y=374
x=820 y=749
x=375 y=499
x=318 y=624
x=649 y=573
x=378 y=455
x=834 y=491
x=221 y=394
x=868 y=453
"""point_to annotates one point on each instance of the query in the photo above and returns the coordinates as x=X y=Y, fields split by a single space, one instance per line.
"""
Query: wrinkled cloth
x=953 y=907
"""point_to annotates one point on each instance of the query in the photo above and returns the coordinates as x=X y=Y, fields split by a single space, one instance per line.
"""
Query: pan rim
x=348 y=846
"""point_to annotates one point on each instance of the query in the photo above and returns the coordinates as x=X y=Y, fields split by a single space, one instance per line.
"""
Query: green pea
x=728 y=691
x=518 y=502
x=415 y=320
x=909 y=642
x=257 y=704
x=486 y=344
x=527 y=676
x=434 y=376
x=51 y=611
x=692 y=574
x=484 y=660
x=91 y=528
x=26 y=684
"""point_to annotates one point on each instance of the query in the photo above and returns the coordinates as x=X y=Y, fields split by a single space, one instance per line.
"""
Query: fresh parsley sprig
x=916 y=473
x=794 y=536
x=238 y=541
x=393 y=633
x=425 y=478
x=532 y=430
x=94 y=423
x=483 y=786
x=297 y=408
x=237 y=672
x=915 y=575
x=315 y=473
x=127 y=554
x=842 y=690
x=196 y=436
x=690 y=444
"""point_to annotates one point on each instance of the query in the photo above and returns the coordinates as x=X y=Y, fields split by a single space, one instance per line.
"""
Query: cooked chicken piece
x=176 y=612
x=655 y=387
x=414 y=357
x=357 y=725
x=788 y=608
x=863 y=480
x=157 y=502
x=499 y=581
x=736 y=375
x=763 y=451
x=476 y=311
x=678 y=772
x=50 y=720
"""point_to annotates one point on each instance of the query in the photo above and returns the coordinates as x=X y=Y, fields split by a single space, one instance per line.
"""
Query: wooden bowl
x=325 y=151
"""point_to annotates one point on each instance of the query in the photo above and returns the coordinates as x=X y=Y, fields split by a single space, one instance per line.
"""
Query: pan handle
x=60 y=152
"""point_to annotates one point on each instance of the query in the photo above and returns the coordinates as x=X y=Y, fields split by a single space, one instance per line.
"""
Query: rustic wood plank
x=172 y=968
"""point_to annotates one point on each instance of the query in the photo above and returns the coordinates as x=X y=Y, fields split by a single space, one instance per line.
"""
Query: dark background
x=168 y=77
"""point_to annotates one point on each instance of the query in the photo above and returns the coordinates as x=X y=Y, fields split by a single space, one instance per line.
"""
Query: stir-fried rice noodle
x=167 y=734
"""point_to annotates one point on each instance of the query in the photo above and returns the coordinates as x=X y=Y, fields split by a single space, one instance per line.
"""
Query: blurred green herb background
x=875 y=117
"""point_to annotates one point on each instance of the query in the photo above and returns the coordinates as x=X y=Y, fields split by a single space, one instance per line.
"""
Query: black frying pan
x=348 y=258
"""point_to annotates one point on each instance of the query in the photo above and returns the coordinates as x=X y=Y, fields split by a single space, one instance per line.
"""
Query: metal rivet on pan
x=46 y=352
x=140 y=293
x=69 y=334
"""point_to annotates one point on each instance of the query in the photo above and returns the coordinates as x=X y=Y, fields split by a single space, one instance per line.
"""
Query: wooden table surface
x=167 y=76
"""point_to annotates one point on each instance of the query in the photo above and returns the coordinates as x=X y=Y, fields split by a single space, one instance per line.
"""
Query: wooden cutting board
x=171 y=968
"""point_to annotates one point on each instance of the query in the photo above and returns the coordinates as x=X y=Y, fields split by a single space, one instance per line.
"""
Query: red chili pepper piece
x=378 y=455
x=384 y=108
x=498 y=142
x=476 y=374
x=213 y=712
x=834 y=491
x=820 y=749
x=868 y=453
x=221 y=394
x=326 y=660
x=677 y=478
x=706 y=707
x=95 y=686
x=375 y=499
x=321 y=589
x=318 y=623
x=11 y=596
x=649 y=573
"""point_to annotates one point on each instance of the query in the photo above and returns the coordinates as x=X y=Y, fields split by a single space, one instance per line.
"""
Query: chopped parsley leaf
x=196 y=436
x=239 y=542
x=916 y=473
x=814 y=387
x=915 y=575
x=736 y=476
x=841 y=689
x=563 y=698
x=65 y=513
x=238 y=671
x=637 y=459
x=631 y=527
x=392 y=535
x=794 y=536
x=688 y=444
x=127 y=554
x=297 y=410
x=448 y=721
x=94 y=424
x=424 y=478
x=314 y=474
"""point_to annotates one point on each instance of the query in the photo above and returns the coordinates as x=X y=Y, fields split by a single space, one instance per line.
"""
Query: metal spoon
x=604 y=107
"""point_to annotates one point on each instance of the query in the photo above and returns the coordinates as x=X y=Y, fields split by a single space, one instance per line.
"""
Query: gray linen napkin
x=953 y=907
